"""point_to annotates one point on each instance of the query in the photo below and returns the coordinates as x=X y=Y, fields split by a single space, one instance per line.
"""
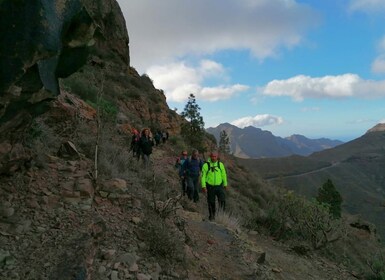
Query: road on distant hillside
x=304 y=173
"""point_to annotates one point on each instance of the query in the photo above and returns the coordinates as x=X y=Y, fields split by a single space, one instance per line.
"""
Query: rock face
x=44 y=40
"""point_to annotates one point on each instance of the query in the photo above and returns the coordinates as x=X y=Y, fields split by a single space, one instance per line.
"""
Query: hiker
x=157 y=138
x=135 y=143
x=191 y=170
x=214 y=182
x=164 y=137
x=146 y=143
x=178 y=164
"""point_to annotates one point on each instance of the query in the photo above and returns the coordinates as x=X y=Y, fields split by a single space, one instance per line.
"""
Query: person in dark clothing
x=157 y=138
x=146 y=143
x=191 y=170
x=164 y=137
x=179 y=164
x=135 y=143
x=214 y=182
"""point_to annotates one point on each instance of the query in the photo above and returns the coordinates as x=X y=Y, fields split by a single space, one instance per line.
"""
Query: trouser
x=146 y=160
x=212 y=193
x=192 y=188
x=184 y=185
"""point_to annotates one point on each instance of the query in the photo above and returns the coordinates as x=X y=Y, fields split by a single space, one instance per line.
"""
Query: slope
x=356 y=169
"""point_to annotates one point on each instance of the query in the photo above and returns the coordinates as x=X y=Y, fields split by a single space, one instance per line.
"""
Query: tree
x=329 y=195
x=224 y=142
x=193 y=129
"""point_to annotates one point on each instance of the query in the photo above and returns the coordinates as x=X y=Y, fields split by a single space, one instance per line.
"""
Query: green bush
x=303 y=219
x=329 y=195
x=106 y=108
x=377 y=267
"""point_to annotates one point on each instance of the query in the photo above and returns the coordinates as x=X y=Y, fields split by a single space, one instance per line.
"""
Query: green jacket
x=216 y=176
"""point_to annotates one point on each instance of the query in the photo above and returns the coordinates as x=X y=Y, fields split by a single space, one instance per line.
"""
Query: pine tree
x=193 y=129
x=328 y=194
x=224 y=142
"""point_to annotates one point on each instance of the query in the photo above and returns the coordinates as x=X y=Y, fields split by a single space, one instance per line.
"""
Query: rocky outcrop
x=44 y=40
x=377 y=128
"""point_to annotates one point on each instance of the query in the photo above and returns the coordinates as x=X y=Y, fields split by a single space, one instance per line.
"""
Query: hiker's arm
x=224 y=175
x=203 y=176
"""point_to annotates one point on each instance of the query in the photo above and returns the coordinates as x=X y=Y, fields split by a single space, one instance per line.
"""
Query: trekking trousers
x=184 y=185
x=192 y=188
x=146 y=160
x=212 y=193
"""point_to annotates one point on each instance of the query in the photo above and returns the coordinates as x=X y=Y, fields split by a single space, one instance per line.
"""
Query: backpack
x=209 y=165
x=193 y=167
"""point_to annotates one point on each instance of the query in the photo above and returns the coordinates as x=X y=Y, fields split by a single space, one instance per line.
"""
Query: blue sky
x=310 y=67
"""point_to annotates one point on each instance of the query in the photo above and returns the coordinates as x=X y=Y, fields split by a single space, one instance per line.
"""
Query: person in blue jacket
x=191 y=170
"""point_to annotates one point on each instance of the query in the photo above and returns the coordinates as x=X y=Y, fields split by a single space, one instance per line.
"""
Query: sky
x=309 y=67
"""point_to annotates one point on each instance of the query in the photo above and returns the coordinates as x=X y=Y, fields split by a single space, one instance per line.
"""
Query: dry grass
x=229 y=220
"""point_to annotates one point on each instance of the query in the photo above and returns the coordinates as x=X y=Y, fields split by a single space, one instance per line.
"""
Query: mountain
x=356 y=168
x=76 y=204
x=252 y=142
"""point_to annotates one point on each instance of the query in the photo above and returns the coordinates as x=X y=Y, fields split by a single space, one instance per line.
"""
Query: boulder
x=42 y=41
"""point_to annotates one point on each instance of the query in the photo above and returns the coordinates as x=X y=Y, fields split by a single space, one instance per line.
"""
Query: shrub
x=329 y=195
x=304 y=219
x=162 y=242
x=377 y=267
x=107 y=109
x=82 y=84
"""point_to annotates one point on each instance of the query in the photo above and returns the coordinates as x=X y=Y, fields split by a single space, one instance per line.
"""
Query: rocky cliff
x=43 y=44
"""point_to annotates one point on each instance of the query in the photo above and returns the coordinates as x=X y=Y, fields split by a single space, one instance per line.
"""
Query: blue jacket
x=191 y=167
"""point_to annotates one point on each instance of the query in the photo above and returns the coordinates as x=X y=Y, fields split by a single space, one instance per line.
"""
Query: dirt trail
x=215 y=252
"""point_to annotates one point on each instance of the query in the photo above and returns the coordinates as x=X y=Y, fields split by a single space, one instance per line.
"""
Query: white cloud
x=367 y=5
x=162 y=31
x=257 y=121
x=342 y=86
x=179 y=80
x=378 y=65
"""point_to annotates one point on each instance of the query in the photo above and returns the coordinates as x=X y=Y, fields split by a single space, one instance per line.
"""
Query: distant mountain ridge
x=356 y=169
x=252 y=142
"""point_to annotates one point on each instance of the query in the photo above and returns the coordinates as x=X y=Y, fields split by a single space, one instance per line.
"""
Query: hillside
x=252 y=142
x=356 y=168
x=75 y=204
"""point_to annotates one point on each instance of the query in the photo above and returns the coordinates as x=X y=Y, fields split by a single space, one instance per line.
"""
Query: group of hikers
x=142 y=143
x=195 y=175
x=211 y=174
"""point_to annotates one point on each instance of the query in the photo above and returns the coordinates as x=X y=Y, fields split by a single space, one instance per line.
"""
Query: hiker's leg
x=184 y=186
x=196 y=186
x=190 y=188
x=221 y=197
x=211 y=201
x=146 y=160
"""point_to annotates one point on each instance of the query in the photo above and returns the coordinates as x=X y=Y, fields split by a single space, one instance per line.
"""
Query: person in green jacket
x=214 y=182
